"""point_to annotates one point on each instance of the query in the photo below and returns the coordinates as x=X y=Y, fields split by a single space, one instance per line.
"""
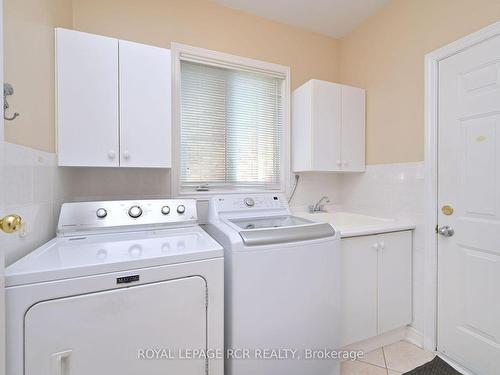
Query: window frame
x=220 y=59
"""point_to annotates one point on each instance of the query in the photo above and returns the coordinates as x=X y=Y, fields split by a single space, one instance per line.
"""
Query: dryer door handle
x=60 y=364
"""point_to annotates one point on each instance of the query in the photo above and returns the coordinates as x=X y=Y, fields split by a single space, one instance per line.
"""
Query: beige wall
x=385 y=55
x=29 y=67
x=29 y=46
x=202 y=23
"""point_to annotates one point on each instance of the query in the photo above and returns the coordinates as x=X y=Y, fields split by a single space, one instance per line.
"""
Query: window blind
x=231 y=128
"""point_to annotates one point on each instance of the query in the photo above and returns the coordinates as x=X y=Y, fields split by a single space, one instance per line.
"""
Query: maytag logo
x=127 y=279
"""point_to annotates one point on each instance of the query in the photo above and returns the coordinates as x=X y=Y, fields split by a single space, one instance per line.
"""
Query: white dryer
x=126 y=287
x=282 y=286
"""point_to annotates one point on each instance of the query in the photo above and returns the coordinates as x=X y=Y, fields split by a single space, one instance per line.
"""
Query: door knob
x=446 y=231
x=11 y=223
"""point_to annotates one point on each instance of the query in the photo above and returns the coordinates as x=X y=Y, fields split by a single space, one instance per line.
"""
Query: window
x=232 y=127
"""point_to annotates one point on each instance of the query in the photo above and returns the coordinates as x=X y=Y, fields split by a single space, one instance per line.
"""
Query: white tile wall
x=313 y=186
x=87 y=184
x=34 y=187
x=29 y=190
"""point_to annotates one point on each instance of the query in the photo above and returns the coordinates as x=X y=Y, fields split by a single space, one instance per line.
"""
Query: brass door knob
x=447 y=210
x=11 y=223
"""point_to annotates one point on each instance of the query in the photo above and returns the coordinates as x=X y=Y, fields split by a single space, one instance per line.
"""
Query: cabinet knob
x=345 y=163
x=382 y=245
x=339 y=163
x=376 y=246
x=126 y=155
x=111 y=154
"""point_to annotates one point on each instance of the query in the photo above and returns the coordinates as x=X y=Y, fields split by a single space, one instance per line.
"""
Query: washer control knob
x=249 y=202
x=165 y=210
x=181 y=209
x=101 y=213
x=135 y=212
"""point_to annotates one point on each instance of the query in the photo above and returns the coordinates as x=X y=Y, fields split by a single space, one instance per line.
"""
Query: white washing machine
x=126 y=287
x=282 y=286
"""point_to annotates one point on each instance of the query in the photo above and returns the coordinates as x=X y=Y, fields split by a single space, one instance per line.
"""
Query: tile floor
x=393 y=359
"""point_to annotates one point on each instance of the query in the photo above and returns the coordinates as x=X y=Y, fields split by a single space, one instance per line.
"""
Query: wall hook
x=8 y=90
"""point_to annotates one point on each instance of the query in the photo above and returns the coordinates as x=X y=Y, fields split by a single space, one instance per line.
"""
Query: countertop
x=352 y=225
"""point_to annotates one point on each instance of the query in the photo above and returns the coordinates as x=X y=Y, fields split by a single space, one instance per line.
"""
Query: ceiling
x=334 y=18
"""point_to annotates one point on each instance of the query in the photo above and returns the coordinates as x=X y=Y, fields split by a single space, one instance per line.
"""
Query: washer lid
x=73 y=257
x=269 y=222
x=279 y=229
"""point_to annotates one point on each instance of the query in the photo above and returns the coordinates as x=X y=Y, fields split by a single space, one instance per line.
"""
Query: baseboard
x=455 y=365
x=406 y=333
x=414 y=337
x=379 y=341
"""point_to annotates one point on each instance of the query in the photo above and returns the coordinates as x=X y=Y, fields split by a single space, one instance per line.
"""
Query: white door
x=87 y=99
x=145 y=100
x=115 y=332
x=469 y=183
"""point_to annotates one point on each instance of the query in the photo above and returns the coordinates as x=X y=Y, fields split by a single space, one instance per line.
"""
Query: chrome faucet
x=319 y=206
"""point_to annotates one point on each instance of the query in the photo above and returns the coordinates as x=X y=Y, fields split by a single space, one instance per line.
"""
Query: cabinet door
x=87 y=99
x=395 y=278
x=353 y=129
x=302 y=128
x=326 y=117
x=359 y=288
x=145 y=106
x=109 y=332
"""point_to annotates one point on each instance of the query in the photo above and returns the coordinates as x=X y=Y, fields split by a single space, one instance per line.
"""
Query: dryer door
x=110 y=332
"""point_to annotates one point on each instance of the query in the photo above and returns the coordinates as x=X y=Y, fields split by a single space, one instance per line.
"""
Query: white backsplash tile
x=313 y=186
x=35 y=188
x=86 y=184
x=29 y=191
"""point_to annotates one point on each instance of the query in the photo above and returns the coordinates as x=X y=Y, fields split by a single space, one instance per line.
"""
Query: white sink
x=350 y=224
x=342 y=219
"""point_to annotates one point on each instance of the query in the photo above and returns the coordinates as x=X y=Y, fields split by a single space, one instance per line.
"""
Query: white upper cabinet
x=352 y=138
x=145 y=105
x=328 y=127
x=113 y=102
x=87 y=99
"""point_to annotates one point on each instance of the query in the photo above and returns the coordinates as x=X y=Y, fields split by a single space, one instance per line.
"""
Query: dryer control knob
x=135 y=212
x=165 y=210
x=249 y=202
x=181 y=209
x=101 y=213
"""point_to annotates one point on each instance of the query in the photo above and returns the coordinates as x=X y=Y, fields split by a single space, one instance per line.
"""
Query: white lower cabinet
x=376 y=284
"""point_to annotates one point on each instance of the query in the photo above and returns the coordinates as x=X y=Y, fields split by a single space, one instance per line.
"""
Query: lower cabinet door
x=359 y=289
x=114 y=332
x=395 y=279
